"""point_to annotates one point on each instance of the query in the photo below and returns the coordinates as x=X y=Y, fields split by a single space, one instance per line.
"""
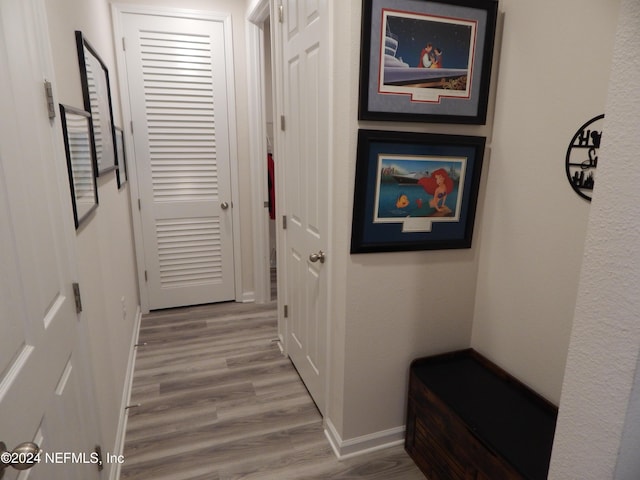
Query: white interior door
x=178 y=93
x=45 y=391
x=306 y=77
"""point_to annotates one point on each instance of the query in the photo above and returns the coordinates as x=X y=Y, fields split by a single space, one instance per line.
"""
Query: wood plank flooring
x=218 y=401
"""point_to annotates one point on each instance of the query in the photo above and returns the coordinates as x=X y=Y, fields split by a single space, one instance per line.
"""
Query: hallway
x=218 y=401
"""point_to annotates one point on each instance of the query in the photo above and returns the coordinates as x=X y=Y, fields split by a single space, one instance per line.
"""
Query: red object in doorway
x=272 y=186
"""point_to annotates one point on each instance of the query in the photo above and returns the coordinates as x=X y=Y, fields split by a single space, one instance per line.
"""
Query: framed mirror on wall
x=121 y=159
x=79 y=149
x=96 y=93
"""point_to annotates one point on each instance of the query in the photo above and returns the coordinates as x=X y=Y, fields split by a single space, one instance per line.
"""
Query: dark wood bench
x=468 y=419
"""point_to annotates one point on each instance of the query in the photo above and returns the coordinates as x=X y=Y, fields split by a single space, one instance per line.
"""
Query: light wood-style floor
x=220 y=402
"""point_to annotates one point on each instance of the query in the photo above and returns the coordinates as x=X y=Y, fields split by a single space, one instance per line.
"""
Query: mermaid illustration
x=438 y=184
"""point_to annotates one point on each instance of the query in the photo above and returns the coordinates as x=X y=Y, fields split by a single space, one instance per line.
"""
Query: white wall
x=628 y=462
x=599 y=410
x=554 y=70
x=512 y=295
x=104 y=245
x=105 y=248
x=387 y=308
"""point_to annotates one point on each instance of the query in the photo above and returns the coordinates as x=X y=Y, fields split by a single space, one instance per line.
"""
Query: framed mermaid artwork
x=426 y=61
x=415 y=191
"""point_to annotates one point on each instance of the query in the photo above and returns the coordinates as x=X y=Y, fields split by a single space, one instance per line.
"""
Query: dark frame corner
x=121 y=159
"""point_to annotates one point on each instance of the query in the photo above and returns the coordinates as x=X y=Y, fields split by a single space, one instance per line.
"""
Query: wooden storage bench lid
x=508 y=417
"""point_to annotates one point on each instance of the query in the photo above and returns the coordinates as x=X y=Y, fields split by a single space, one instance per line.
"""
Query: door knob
x=314 y=257
x=224 y=205
x=23 y=457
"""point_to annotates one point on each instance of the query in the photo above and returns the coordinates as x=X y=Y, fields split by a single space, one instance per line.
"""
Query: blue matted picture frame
x=415 y=191
x=426 y=60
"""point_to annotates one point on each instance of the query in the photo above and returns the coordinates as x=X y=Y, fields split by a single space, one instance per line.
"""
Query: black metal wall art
x=582 y=157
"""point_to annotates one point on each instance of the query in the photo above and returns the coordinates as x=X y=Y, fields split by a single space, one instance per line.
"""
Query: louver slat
x=179 y=103
x=189 y=251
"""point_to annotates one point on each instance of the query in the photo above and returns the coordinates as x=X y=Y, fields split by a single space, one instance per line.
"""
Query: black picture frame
x=96 y=93
x=121 y=159
x=426 y=60
x=399 y=200
x=79 y=150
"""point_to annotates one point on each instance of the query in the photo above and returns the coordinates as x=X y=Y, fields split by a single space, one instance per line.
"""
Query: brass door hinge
x=48 y=91
x=77 y=297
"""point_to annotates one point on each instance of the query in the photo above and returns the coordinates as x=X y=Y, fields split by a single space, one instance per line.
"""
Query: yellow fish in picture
x=402 y=201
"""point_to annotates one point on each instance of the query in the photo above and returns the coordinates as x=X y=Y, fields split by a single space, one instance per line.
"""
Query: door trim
x=261 y=10
x=258 y=153
x=118 y=10
x=258 y=148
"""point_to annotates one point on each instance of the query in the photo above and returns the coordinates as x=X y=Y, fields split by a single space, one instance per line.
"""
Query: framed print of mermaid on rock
x=415 y=191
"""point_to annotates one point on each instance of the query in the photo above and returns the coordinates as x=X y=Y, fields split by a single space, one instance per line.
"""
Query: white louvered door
x=176 y=71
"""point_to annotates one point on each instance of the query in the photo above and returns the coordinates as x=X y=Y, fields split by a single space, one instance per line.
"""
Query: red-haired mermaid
x=438 y=184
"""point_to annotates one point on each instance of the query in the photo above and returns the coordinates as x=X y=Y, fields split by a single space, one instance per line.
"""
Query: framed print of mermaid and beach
x=415 y=191
x=426 y=61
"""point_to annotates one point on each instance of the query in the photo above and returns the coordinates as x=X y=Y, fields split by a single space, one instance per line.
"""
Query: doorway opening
x=269 y=114
x=262 y=113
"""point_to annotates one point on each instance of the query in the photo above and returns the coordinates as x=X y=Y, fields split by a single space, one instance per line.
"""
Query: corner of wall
x=601 y=373
x=344 y=449
x=532 y=225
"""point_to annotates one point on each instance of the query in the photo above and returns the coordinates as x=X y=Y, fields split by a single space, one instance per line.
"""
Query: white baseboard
x=364 y=444
x=126 y=397
x=248 y=297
